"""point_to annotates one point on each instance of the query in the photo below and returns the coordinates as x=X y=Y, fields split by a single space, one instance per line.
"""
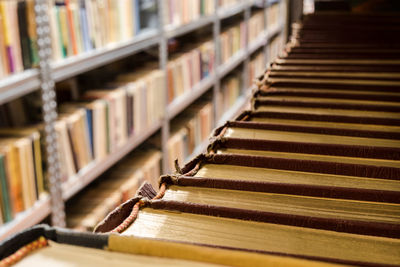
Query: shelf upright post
x=163 y=59
x=49 y=112
x=245 y=74
x=217 y=63
x=266 y=6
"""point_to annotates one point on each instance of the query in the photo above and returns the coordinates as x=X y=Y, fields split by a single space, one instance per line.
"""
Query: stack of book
x=21 y=175
x=256 y=26
x=273 y=15
x=18 y=47
x=256 y=67
x=114 y=187
x=308 y=177
x=188 y=68
x=80 y=26
x=189 y=131
x=180 y=12
x=230 y=91
x=233 y=40
x=103 y=120
x=311 y=172
x=274 y=48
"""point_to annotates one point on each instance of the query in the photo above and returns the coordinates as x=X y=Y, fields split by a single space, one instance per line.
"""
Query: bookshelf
x=44 y=78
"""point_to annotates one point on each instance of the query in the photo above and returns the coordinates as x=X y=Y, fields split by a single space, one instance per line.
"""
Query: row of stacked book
x=274 y=47
x=256 y=26
x=256 y=67
x=178 y=12
x=273 y=14
x=103 y=119
x=187 y=68
x=22 y=180
x=79 y=26
x=189 y=131
x=311 y=172
x=18 y=37
x=232 y=40
x=113 y=188
x=231 y=89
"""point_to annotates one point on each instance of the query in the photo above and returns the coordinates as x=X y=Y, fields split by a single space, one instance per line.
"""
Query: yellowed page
x=323 y=158
x=231 y=172
x=144 y=246
x=330 y=111
x=264 y=236
x=323 y=100
x=327 y=124
x=334 y=74
x=66 y=256
x=308 y=137
x=290 y=204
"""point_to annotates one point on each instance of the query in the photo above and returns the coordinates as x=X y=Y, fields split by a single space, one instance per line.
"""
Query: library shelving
x=49 y=72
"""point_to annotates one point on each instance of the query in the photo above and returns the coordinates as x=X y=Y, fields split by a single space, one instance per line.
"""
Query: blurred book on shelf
x=256 y=67
x=22 y=180
x=274 y=47
x=227 y=3
x=273 y=13
x=189 y=131
x=181 y=12
x=188 y=67
x=18 y=37
x=102 y=120
x=79 y=26
x=116 y=186
x=233 y=40
x=256 y=26
x=230 y=91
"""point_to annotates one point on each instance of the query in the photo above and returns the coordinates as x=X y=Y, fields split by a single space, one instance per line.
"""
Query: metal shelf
x=96 y=168
x=197 y=150
x=274 y=31
x=232 y=10
x=232 y=112
x=75 y=65
x=183 y=101
x=40 y=210
x=259 y=42
x=232 y=63
x=19 y=84
x=174 y=31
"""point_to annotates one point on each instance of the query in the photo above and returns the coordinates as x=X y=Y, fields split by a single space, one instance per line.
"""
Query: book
x=231 y=88
x=181 y=12
x=189 y=131
x=255 y=26
x=188 y=68
x=116 y=186
x=62 y=246
x=232 y=40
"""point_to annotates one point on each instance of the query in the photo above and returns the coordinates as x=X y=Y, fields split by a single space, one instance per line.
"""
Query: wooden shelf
x=27 y=218
x=96 y=168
